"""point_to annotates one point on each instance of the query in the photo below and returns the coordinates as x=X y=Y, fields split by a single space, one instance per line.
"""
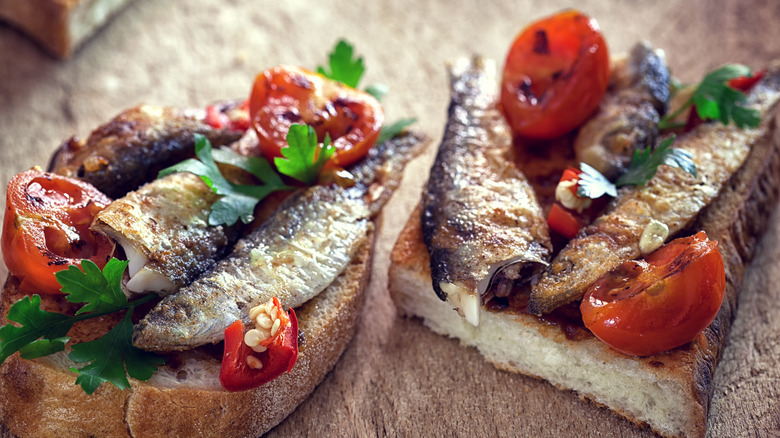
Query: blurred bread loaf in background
x=59 y=26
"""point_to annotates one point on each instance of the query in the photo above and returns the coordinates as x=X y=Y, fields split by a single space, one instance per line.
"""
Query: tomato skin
x=235 y=374
x=556 y=73
x=644 y=307
x=46 y=228
x=286 y=95
x=220 y=116
x=745 y=83
x=563 y=221
x=570 y=211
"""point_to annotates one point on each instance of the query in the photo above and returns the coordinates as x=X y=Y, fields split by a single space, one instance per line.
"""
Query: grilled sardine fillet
x=128 y=151
x=294 y=255
x=164 y=231
x=481 y=221
x=628 y=116
x=672 y=197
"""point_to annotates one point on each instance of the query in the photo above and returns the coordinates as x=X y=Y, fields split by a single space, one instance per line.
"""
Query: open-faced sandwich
x=589 y=223
x=195 y=272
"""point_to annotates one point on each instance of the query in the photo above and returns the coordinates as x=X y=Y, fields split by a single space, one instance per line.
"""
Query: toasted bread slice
x=60 y=26
x=671 y=391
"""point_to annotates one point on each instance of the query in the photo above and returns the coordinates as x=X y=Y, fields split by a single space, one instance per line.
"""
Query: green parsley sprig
x=237 y=201
x=110 y=358
x=714 y=99
x=346 y=67
x=644 y=165
x=343 y=67
x=303 y=158
x=394 y=129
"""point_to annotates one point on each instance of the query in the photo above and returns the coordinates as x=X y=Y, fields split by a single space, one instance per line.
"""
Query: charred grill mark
x=526 y=93
x=293 y=116
x=58 y=262
x=302 y=82
x=541 y=44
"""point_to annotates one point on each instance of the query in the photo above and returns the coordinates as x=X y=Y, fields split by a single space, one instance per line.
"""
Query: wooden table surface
x=397 y=378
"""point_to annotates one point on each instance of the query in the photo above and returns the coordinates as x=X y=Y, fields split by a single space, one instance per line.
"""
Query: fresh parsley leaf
x=113 y=357
x=343 y=67
x=237 y=201
x=101 y=291
x=205 y=167
x=377 y=90
x=714 y=99
x=41 y=333
x=259 y=167
x=34 y=324
x=390 y=131
x=347 y=68
x=303 y=157
x=592 y=184
x=645 y=163
x=43 y=347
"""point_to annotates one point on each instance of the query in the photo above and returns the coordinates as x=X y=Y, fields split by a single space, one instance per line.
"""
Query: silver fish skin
x=481 y=221
x=627 y=118
x=164 y=231
x=293 y=256
x=128 y=151
x=672 y=197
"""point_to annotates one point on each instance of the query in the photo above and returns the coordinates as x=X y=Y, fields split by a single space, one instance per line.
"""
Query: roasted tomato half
x=660 y=302
x=46 y=228
x=555 y=75
x=286 y=95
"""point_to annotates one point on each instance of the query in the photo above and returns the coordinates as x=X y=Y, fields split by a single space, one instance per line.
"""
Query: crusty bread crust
x=59 y=26
x=671 y=391
x=184 y=398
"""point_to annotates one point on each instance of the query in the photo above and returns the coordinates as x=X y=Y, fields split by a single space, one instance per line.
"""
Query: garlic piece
x=653 y=236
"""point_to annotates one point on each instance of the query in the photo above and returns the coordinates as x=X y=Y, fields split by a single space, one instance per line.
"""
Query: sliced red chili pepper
x=234 y=118
x=563 y=222
x=238 y=374
x=46 y=228
x=745 y=83
x=571 y=174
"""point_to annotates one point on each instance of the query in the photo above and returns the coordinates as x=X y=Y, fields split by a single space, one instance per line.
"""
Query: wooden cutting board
x=397 y=378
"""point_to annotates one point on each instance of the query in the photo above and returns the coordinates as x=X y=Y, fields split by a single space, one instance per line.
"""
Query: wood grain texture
x=397 y=378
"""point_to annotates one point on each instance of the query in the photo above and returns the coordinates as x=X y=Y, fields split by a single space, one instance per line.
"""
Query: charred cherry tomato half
x=555 y=75
x=286 y=95
x=271 y=353
x=46 y=228
x=647 y=306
